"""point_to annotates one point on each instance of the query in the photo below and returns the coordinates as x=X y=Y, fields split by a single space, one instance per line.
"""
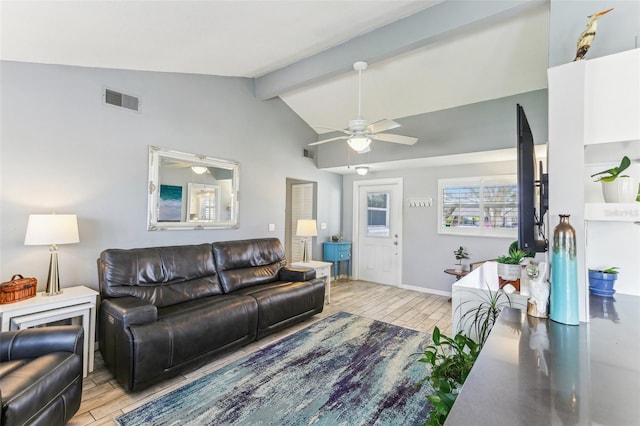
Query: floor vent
x=112 y=97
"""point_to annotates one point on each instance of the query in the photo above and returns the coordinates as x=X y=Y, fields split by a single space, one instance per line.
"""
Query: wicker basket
x=18 y=289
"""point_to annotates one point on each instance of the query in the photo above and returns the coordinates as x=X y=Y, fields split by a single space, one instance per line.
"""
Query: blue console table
x=338 y=252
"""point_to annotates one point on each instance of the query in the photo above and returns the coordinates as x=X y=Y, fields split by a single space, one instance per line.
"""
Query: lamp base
x=53 y=279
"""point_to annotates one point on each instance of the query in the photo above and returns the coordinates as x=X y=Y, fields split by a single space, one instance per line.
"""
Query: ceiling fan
x=177 y=164
x=360 y=132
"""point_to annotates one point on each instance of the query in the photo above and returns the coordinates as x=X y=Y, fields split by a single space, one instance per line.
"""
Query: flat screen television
x=533 y=187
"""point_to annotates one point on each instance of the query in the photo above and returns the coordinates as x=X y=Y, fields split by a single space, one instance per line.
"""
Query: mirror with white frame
x=190 y=191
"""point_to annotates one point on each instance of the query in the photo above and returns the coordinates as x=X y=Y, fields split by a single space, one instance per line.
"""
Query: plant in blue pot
x=601 y=281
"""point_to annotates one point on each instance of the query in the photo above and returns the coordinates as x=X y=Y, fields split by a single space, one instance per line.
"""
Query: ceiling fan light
x=359 y=142
x=362 y=170
x=198 y=169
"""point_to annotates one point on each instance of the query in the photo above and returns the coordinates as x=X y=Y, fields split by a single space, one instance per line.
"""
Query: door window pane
x=378 y=214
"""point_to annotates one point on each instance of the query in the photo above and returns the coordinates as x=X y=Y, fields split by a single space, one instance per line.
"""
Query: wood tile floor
x=103 y=399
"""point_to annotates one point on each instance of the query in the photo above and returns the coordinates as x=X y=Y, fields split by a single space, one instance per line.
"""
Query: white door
x=377 y=228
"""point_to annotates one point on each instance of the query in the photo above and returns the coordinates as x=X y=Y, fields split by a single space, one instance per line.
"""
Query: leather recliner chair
x=40 y=375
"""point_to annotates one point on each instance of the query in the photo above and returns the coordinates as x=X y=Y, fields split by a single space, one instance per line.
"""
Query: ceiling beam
x=415 y=31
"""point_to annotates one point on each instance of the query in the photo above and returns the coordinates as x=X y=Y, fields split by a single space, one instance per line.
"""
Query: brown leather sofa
x=166 y=310
x=40 y=375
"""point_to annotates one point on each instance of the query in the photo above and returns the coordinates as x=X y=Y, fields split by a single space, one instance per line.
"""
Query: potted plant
x=616 y=187
x=450 y=360
x=479 y=318
x=509 y=269
x=460 y=254
x=601 y=281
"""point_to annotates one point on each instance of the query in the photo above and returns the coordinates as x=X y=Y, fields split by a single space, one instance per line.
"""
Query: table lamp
x=51 y=230
x=306 y=228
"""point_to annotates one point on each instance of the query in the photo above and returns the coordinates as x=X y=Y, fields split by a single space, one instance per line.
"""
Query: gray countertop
x=538 y=372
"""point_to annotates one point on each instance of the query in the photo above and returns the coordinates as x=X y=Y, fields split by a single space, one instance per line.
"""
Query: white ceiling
x=492 y=62
x=228 y=38
x=253 y=38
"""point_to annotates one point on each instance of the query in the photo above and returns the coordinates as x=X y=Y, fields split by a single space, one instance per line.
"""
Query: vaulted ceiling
x=424 y=55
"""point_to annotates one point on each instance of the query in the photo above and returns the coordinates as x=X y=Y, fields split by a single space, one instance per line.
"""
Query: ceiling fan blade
x=388 y=137
x=345 y=131
x=171 y=164
x=382 y=126
x=328 y=140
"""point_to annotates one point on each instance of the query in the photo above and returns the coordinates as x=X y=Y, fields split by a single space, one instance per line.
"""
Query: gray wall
x=471 y=128
x=64 y=150
x=425 y=252
x=619 y=30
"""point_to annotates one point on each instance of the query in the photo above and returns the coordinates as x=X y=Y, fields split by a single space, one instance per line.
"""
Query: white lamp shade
x=359 y=142
x=49 y=229
x=306 y=228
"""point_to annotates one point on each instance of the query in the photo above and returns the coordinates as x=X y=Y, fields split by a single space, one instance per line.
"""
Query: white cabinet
x=594 y=119
x=612 y=98
x=474 y=289
x=612 y=212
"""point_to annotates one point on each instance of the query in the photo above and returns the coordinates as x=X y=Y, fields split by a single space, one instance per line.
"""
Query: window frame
x=480 y=231
x=387 y=211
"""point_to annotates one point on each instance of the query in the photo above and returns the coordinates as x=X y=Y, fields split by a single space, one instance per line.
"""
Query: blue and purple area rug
x=342 y=370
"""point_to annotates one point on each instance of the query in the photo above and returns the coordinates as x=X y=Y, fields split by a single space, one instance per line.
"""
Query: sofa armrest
x=295 y=274
x=128 y=311
x=35 y=342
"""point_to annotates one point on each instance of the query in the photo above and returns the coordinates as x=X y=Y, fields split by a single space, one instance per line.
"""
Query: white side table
x=323 y=270
x=75 y=303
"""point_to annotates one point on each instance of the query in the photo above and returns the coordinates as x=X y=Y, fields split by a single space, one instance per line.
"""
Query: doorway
x=377 y=226
x=300 y=204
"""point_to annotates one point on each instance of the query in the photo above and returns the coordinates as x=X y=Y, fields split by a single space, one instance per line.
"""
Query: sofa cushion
x=206 y=324
x=186 y=333
x=9 y=366
x=246 y=263
x=162 y=276
x=279 y=302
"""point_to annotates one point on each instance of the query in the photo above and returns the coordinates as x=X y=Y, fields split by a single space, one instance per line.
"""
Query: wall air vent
x=307 y=153
x=122 y=100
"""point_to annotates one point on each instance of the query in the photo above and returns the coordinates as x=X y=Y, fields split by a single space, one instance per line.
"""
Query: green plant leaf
x=624 y=164
x=608 y=178
x=451 y=360
x=613 y=172
x=436 y=336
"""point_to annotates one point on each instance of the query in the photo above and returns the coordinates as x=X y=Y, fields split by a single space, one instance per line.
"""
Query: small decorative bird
x=587 y=36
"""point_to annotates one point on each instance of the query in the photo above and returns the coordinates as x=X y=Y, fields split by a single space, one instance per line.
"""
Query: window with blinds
x=483 y=206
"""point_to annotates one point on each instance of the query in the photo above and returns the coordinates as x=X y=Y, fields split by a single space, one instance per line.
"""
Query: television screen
x=531 y=191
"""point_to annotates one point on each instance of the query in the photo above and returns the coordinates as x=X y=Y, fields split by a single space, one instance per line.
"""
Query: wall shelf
x=612 y=212
x=594 y=107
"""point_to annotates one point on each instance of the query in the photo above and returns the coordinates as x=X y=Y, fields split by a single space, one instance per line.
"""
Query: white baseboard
x=426 y=290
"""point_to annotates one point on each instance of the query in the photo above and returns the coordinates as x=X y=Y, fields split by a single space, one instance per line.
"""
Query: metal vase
x=564 y=303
